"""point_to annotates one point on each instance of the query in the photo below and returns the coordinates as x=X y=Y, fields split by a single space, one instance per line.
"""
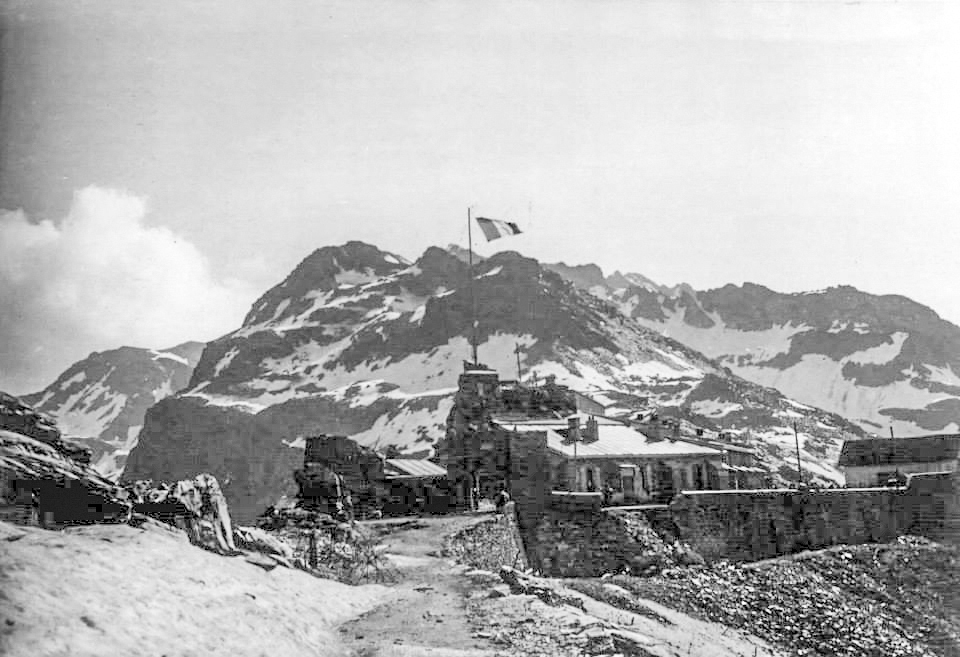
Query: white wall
x=868 y=475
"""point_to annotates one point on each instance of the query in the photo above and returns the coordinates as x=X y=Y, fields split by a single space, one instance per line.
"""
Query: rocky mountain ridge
x=100 y=401
x=882 y=361
x=360 y=342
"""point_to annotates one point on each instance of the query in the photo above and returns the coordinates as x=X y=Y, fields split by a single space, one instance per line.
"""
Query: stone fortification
x=758 y=524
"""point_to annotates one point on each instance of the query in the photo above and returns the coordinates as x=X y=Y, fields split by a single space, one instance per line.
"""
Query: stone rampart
x=575 y=537
x=747 y=525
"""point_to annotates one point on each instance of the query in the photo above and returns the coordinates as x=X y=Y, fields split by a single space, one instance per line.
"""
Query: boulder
x=196 y=505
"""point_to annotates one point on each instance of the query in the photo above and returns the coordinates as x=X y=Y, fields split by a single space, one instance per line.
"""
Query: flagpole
x=473 y=296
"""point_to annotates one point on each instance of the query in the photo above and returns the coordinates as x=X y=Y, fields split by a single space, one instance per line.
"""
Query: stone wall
x=757 y=524
x=529 y=485
x=877 y=475
x=575 y=537
x=489 y=544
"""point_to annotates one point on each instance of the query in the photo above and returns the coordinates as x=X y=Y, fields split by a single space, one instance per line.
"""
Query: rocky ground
x=446 y=608
x=898 y=598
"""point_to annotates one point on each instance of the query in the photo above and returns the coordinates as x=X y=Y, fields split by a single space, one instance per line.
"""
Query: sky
x=164 y=164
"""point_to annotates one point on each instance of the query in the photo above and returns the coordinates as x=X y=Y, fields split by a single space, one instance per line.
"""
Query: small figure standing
x=501 y=499
x=607 y=495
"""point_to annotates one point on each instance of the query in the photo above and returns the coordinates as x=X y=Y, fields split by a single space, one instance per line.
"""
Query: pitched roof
x=400 y=468
x=888 y=451
x=615 y=440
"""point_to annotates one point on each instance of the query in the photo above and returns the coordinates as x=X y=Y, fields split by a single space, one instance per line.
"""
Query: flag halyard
x=494 y=228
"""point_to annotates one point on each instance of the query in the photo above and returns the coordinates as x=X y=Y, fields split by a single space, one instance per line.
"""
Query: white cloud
x=100 y=279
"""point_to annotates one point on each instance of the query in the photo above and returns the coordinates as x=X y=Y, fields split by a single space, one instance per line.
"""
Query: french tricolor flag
x=494 y=228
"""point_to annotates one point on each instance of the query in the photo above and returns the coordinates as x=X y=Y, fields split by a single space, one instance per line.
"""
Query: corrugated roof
x=740 y=468
x=615 y=440
x=889 y=451
x=396 y=468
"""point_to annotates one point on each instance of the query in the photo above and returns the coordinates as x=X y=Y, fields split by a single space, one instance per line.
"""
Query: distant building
x=740 y=468
x=589 y=405
x=502 y=433
x=874 y=461
x=590 y=453
x=480 y=456
x=334 y=466
x=415 y=484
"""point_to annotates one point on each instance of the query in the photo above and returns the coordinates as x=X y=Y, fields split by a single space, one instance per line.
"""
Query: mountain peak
x=326 y=269
x=462 y=254
x=586 y=277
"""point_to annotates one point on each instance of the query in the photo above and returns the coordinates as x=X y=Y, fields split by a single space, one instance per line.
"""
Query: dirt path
x=430 y=615
x=442 y=608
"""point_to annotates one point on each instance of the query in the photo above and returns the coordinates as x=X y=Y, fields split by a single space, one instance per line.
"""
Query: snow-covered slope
x=881 y=361
x=118 y=590
x=357 y=341
x=100 y=401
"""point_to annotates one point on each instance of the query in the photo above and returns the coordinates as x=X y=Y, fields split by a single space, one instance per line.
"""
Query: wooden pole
x=895 y=459
x=517 y=352
x=473 y=295
x=796 y=437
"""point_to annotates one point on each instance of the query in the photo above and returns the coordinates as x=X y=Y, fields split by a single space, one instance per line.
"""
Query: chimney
x=592 y=433
x=573 y=428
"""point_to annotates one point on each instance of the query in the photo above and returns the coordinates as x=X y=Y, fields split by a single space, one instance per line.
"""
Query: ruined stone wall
x=490 y=543
x=575 y=537
x=529 y=485
x=568 y=539
x=757 y=524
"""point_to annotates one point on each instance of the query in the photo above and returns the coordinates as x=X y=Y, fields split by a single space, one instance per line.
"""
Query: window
x=698 y=476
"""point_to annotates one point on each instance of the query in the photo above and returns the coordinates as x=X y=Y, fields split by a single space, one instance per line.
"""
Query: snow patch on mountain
x=883 y=353
x=944 y=375
x=225 y=401
x=79 y=377
x=88 y=412
x=110 y=463
x=414 y=428
x=157 y=355
x=714 y=408
x=353 y=277
x=820 y=381
x=417 y=372
x=165 y=389
x=720 y=341
x=226 y=360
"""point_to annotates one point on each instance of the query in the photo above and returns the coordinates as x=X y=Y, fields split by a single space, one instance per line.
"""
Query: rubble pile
x=195 y=505
x=322 y=545
x=258 y=540
x=531 y=616
x=523 y=584
x=893 y=599
x=650 y=552
x=615 y=596
x=488 y=545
